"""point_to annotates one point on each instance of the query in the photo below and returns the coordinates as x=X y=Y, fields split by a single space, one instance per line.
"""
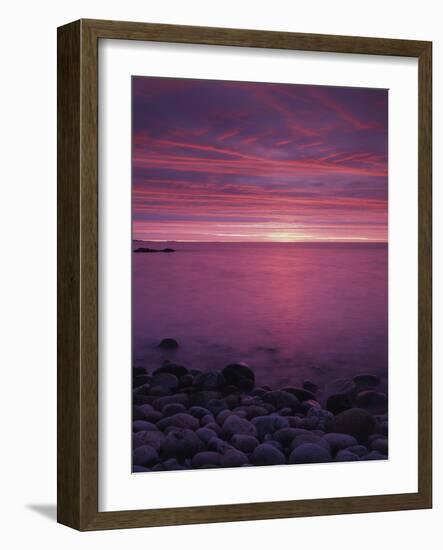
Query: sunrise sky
x=236 y=161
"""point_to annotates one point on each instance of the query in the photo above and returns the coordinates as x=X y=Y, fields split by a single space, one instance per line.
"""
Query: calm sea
x=290 y=310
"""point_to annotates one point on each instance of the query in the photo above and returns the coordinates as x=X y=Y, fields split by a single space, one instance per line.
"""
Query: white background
x=28 y=300
x=118 y=488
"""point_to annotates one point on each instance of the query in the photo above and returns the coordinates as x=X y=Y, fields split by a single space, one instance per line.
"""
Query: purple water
x=290 y=310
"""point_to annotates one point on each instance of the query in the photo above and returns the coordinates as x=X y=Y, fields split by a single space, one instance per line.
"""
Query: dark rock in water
x=235 y=425
x=144 y=456
x=366 y=380
x=179 y=420
x=309 y=453
x=356 y=422
x=341 y=385
x=281 y=399
x=310 y=386
x=173 y=408
x=313 y=439
x=239 y=375
x=300 y=393
x=206 y=458
x=338 y=403
x=146 y=250
x=137 y=469
x=142 y=425
x=181 y=444
x=209 y=381
x=172 y=368
x=245 y=443
x=168 y=343
x=374 y=401
x=267 y=455
x=346 y=456
x=310 y=403
x=165 y=380
x=338 y=442
x=269 y=424
x=381 y=445
x=206 y=434
x=154 y=438
x=233 y=458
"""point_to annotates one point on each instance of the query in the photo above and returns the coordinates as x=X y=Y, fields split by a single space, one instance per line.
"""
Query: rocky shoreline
x=184 y=418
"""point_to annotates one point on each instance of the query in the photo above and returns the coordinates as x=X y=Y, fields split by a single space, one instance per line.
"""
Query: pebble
x=309 y=453
x=266 y=455
x=356 y=422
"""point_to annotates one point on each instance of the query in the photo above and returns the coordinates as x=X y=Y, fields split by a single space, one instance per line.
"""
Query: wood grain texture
x=78 y=271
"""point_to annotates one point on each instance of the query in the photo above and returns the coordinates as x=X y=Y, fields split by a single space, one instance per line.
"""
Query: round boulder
x=234 y=425
x=373 y=401
x=338 y=402
x=168 y=343
x=338 y=442
x=281 y=399
x=267 y=455
x=239 y=375
x=309 y=453
x=356 y=422
x=144 y=456
x=179 y=420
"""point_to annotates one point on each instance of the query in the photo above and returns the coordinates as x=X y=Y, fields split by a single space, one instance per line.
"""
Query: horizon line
x=320 y=241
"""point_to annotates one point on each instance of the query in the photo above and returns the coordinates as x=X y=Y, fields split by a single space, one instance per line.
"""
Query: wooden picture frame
x=78 y=274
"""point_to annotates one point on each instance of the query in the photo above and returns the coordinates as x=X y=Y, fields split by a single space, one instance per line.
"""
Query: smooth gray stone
x=311 y=439
x=206 y=434
x=234 y=458
x=154 y=438
x=143 y=425
x=380 y=444
x=346 y=456
x=198 y=412
x=281 y=399
x=179 y=420
x=267 y=455
x=168 y=344
x=309 y=453
x=338 y=442
x=206 y=458
x=181 y=444
x=239 y=375
x=269 y=424
x=173 y=408
x=144 y=456
x=245 y=443
x=236 y=425
x=356 y=422
x=165 y=380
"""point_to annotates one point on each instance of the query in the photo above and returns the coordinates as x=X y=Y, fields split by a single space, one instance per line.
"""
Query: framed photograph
x=244 y=275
